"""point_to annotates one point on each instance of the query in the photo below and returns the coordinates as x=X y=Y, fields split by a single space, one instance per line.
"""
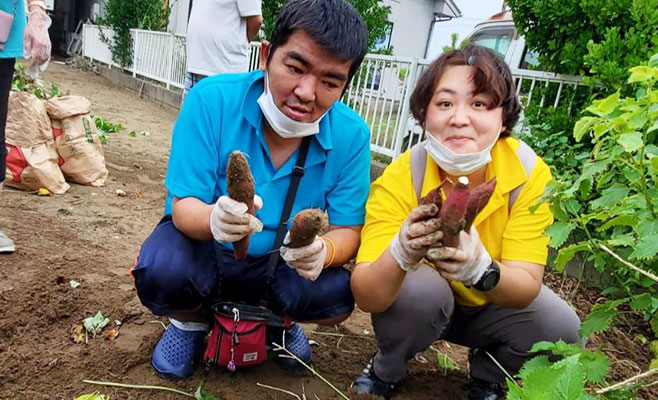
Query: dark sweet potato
x=434 y=196
x=240 y=185
x=306 y=225
x=477 y=200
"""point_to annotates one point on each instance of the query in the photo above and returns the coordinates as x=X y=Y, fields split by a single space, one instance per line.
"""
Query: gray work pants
x=425 y=311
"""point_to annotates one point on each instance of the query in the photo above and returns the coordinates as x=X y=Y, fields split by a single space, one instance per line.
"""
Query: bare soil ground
x=91 y=235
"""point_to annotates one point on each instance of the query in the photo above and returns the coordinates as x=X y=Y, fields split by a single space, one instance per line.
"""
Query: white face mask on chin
x=282 y=124
x=459 y=164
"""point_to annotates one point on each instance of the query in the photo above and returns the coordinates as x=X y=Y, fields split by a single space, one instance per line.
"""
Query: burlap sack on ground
x=77 y=141
x=32 y=161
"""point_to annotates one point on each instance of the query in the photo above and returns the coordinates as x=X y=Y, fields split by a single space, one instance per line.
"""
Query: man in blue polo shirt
x=316 y=47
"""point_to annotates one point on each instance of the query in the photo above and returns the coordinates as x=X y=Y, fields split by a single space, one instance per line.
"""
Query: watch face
x=490 y=280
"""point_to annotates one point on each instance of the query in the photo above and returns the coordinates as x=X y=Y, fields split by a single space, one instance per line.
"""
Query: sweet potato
x=240 y=184
x=434 y=196
x=453 y=211
x=477 y=200
x=306 y=225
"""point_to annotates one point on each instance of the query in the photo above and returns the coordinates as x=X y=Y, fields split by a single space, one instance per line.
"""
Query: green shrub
x=600 y=39
x=124 y=15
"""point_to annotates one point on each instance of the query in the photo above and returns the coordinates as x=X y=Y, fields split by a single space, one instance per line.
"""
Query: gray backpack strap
x=418 y=161
x=528 y=159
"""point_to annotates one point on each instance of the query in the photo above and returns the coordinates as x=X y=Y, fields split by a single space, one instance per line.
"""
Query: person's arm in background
x=36 y=41
x=253 y=26
x=252 y=12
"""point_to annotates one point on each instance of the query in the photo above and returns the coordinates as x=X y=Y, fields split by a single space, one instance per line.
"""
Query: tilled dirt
x=91 y=235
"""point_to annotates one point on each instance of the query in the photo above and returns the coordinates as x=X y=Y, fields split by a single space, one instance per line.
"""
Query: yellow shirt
x=515 y=235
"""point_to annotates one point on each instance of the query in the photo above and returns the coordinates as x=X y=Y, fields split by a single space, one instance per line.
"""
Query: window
x=384 y=42
x=496 y=39
x=530 y=60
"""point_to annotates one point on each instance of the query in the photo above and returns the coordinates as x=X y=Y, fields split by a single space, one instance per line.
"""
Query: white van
x=499 y=34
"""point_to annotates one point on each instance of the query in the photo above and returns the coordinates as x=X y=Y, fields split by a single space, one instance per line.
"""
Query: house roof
x=446 y=9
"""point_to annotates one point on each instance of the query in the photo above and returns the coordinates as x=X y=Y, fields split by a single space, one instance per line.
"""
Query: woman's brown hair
x=491 y=77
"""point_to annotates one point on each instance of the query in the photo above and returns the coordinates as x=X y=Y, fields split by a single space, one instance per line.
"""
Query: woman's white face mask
x=282 y=124
x=459 y=164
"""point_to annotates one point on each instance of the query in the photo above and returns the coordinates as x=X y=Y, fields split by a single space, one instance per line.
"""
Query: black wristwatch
x=489 y=279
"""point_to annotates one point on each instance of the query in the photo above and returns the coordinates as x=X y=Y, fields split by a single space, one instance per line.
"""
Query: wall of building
x=411 y=20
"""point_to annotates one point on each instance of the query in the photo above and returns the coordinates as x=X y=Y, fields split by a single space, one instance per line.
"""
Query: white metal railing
x=379 y=92
x=159 y=56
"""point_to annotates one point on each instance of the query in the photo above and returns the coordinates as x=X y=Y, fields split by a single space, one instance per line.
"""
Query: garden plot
x=91 y=236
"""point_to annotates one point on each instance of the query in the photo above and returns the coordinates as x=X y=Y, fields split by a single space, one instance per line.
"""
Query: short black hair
x=334 y=24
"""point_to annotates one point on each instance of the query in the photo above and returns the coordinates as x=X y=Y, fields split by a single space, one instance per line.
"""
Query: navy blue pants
x=176 y=273
x=6 y=76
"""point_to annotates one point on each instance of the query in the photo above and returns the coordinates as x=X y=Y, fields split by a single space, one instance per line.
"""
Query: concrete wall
x=411 y=20
x=144 y=88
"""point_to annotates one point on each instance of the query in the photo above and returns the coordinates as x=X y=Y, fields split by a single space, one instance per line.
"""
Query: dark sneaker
x=6 y=244
x=296 y=342
x=478 y=389
x=369 y=383
x=177 y=353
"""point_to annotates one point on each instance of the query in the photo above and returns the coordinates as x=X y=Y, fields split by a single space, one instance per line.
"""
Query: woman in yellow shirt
x=487 y=293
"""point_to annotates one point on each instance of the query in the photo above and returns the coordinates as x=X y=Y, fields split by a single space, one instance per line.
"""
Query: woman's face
x=459 y=118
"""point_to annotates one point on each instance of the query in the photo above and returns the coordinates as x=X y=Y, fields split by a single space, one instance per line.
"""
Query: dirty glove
x=419 y=231
x=466 y=264
x=36 y=42
x=308 y=261
x=230 y=222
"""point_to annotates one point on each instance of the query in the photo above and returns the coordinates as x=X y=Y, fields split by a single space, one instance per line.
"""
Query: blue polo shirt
x=14 y=46
x=220 y=115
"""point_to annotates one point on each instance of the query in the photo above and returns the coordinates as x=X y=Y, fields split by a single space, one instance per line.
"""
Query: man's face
x=305 y=79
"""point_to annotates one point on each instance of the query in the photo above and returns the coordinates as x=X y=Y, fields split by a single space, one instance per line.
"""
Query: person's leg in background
x=191 y=79
x=6 y=76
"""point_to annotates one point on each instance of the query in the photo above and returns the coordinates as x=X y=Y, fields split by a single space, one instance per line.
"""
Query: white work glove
x=308 y=261
x=419 y=231
x=36 y=41
x=466 y=264
x=230 y=222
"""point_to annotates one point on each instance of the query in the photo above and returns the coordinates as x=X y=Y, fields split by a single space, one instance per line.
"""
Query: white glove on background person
x=230 y=222
x=36 y=41
x=308 y=261
x=467 y=263
x=419 y=231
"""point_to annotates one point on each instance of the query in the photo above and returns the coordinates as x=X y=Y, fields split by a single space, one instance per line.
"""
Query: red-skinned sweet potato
x=452 y=212
x=477 y=200
x=240 y=184
x=434 y=196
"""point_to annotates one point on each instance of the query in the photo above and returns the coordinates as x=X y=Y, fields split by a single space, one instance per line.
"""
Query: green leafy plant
x=598 y=38
x=609 y=211
x=22 y=82
x=571 y=377
x=104 y=127
x=454 y=37
x=201 y=393
x=94 y=325
x=445 y=363
x=124 y=15
x=93 y=396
